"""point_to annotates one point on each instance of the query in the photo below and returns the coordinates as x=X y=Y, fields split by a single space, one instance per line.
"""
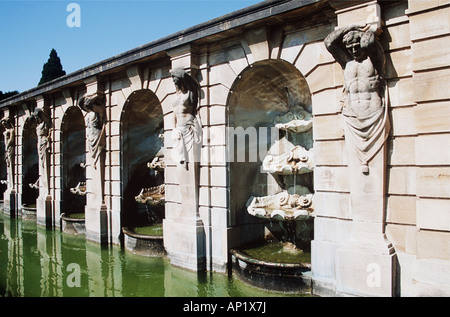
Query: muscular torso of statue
x=184 y=110
x=362 y=84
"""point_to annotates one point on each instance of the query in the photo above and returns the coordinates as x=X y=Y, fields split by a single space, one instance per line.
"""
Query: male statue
x=365 y=107
x=43 y=127
x=96 y=133
x=187 y=134
x=10 y=147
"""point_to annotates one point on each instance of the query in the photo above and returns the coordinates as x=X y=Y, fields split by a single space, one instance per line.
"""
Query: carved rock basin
x=296 y=161
x=297 y=120
x=154 y=196
x=282 y=206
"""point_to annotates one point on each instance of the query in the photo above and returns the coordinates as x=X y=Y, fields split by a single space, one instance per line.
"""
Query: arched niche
x=3 y=167
x=73 y=161
x=141 y=130
x=262 y=92
x=30 y=164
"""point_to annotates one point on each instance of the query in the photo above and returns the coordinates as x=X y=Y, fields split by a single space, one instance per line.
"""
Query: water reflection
x=39 y=262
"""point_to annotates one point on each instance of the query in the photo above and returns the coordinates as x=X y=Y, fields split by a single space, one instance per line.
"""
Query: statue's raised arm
x=356 y=42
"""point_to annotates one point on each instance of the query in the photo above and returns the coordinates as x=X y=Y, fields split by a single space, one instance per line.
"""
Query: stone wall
x=417 y=222
x=414 y=39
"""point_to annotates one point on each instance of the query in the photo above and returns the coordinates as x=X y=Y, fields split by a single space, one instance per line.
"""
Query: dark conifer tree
x=4 y=95
x=52 y=69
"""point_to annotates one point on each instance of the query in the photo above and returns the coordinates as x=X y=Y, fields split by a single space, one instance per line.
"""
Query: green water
x=273 y=252
x=153 y=230
x=40 y=262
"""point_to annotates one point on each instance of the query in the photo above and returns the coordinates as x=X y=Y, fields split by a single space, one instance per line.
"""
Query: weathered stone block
x=414 y=6
x=165 y=87
x=116 y=188
x=431 y=278
x=433 y=182
x=170 y=175
x=219 y=197
x=116 y=110
x=433 y=149
x=402 y=180
x=401 y=92
x=429 y=117
x=115 y=173
x=366 y=13
x=167 y=103
x=115 y=143
x=331 y=179
x=325 y=76
x=366 y=272
x=185 y=245
x=401 y=209
x=328 y=127
x=204 y=198
x=218 y=115
x=313 y=54
x=421 y=27
x=217 y=135
x=433 y=245
x=399 y=64
x=172 y=193
x=401 y=151
x=218 y=95
x=433 y=214
x=402 y=119
x=326 y=101
x=169 y=121
x=257 y=42
x=432 y=53
x=114 y=157
x=323 y=260
x=214 y=155
x=402 y=237
x=399 y=36
x=115 y=128
x=222 y=74
x=213 y=176
x=329 y=204
x=330 y=153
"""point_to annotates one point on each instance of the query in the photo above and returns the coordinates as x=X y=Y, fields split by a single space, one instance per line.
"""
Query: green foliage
x=52 y=69
x=7 y=94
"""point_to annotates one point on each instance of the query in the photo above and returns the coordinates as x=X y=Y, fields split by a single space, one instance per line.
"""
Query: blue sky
x=30 y=29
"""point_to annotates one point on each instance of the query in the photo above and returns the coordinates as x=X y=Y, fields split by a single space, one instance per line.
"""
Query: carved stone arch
x=141 y=123
x=262 y=43
x=264 y=91
x=30 y=163
x=319 y=68
x=73 y=159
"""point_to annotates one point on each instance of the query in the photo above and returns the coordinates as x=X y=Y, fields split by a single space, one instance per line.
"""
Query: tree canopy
x=4 y=95
x=52 y=69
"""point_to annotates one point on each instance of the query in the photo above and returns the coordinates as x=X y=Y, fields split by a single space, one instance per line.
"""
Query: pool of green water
x=274 y=252
x=152 y=230
x=40 y=262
